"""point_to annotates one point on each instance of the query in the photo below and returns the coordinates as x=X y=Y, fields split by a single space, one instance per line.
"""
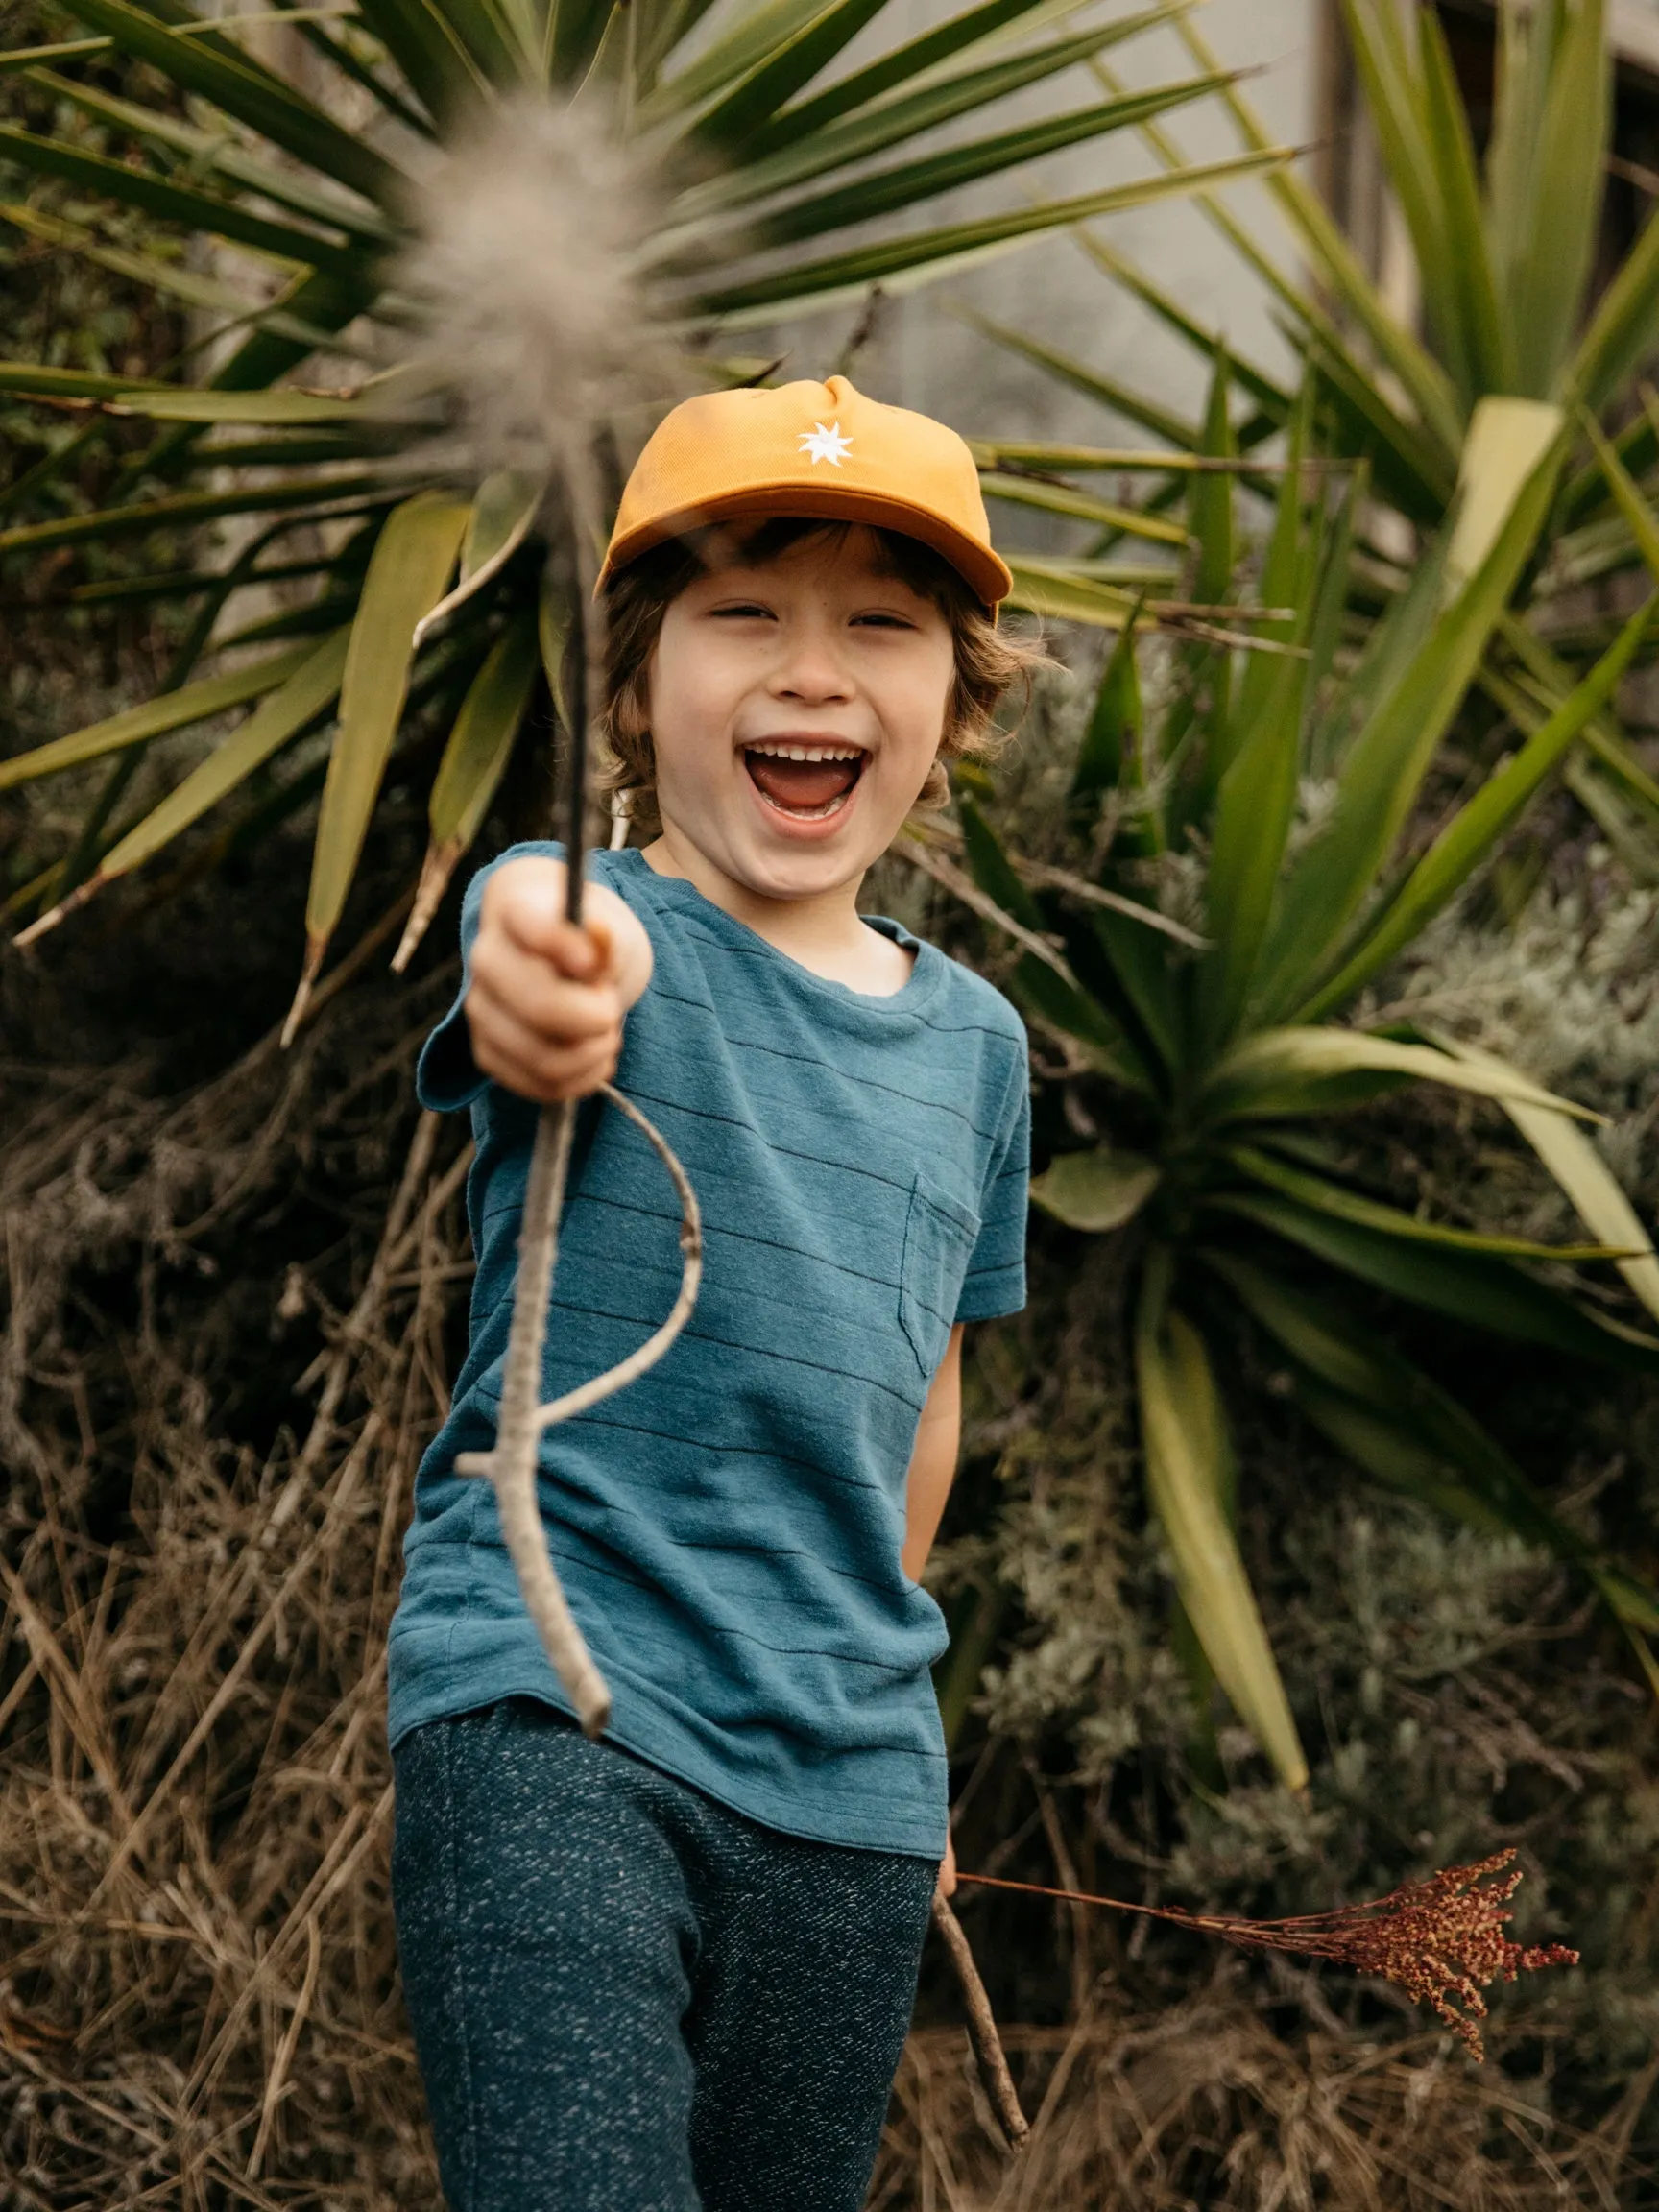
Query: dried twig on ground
x=200 y=2000
x=1204 y=2104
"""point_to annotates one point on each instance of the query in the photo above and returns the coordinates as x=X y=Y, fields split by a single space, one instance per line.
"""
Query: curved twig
x=512 y=1464
x=627 y=1370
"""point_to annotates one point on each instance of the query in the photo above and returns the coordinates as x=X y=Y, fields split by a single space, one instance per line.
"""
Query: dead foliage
x=227 y=1320
x=200 y=2003
x=1204 y=2107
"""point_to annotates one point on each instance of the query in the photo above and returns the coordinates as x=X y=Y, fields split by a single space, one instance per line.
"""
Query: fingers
x=597 y=934
x=947 y=1883
x=538 y=1033
x=532 y=991
x=581 y=951
x=524 y=902
x=536 y=1066
x=544 y=1003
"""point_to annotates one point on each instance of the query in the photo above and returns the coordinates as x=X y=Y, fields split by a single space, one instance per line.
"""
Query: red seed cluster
x=1442 y=1940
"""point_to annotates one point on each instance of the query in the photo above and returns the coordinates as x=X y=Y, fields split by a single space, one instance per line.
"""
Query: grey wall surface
x=922 y=356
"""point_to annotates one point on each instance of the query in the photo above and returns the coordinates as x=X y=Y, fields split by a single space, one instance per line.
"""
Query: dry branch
x=982 y=2032
x=198 y=2001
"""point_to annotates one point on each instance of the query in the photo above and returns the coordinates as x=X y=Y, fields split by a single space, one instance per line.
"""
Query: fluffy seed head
x=536 y=283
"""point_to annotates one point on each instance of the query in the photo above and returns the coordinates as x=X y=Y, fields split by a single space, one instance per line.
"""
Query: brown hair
x=989 y=662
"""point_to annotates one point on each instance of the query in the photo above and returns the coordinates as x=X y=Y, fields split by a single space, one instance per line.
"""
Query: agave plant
x=1221 y=1068
x=426 y=588
x=1505 y=253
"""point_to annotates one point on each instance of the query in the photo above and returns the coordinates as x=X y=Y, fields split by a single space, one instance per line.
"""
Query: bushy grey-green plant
x=1302 y=810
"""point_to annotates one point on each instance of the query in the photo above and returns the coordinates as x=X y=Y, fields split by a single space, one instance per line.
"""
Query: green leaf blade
x=862 y=265
x=241 y=87
x=172 y=203
x=1182 y=1424
x=1386 y=764
x=155 y=718
x=1586 y=1179
x=1280 y=1073
x=1096 y=1190
x=1484 y=1293
x=410 y=566
x=474 y=761
x=282 y=715
x=1477 y=828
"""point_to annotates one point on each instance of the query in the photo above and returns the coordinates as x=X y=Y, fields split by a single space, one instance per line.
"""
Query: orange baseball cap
x=823 y=450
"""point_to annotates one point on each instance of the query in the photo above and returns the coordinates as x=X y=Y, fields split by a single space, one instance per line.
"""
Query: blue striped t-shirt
x=727 y=1529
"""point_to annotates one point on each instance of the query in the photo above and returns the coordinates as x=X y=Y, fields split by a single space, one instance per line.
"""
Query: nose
x=811 y=667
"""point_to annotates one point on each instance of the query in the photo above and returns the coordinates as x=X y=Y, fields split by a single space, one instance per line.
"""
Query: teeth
x=808 y=813
x=782 y=752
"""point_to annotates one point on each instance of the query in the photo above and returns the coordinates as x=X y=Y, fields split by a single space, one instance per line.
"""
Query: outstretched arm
x=546 y=1000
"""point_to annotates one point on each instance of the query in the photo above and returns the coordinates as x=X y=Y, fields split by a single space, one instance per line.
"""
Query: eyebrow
x=740 y=576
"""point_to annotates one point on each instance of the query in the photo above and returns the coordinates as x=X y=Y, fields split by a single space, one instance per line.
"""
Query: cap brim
x=982 y=571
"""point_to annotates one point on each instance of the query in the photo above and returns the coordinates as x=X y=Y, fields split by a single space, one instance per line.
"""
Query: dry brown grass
x=1204 y=2107
x=199 y=2004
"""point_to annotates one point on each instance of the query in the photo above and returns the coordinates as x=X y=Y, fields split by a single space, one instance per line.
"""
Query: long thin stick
x=988 y=2052
x=512 y=1465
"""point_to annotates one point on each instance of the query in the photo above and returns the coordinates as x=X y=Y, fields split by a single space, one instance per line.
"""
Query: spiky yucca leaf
x=1504 y=259
x=741 y=126
x=1225 y=1161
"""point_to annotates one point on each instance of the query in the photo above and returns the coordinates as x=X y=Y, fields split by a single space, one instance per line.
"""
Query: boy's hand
x=947 y=1883
x=547 y=999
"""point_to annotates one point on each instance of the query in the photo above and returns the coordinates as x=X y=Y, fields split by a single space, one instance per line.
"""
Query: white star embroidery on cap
x=826 y=444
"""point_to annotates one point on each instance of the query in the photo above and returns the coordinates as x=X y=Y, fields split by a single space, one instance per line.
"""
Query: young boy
x=675 y=1969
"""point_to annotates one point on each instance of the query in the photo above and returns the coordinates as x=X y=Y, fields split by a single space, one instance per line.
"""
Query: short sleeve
x=446 y=1076
x=996 y=1279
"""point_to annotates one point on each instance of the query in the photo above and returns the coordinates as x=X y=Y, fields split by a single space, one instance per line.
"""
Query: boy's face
x=797 y=707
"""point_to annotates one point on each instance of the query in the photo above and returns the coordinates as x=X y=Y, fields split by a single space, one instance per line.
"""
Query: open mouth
x=810 y=783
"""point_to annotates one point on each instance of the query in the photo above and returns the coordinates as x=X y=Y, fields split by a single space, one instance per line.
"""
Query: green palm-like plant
x=436 y=590
x=1227 y=1062
x=1505 y=253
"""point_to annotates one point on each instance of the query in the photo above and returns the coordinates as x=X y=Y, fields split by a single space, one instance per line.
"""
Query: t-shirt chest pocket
x=940 y=1233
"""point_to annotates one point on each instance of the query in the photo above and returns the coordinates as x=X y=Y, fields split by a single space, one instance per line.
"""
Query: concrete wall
x=922 y=356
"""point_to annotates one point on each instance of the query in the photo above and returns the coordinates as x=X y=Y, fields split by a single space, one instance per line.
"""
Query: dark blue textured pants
x=628 y=1999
